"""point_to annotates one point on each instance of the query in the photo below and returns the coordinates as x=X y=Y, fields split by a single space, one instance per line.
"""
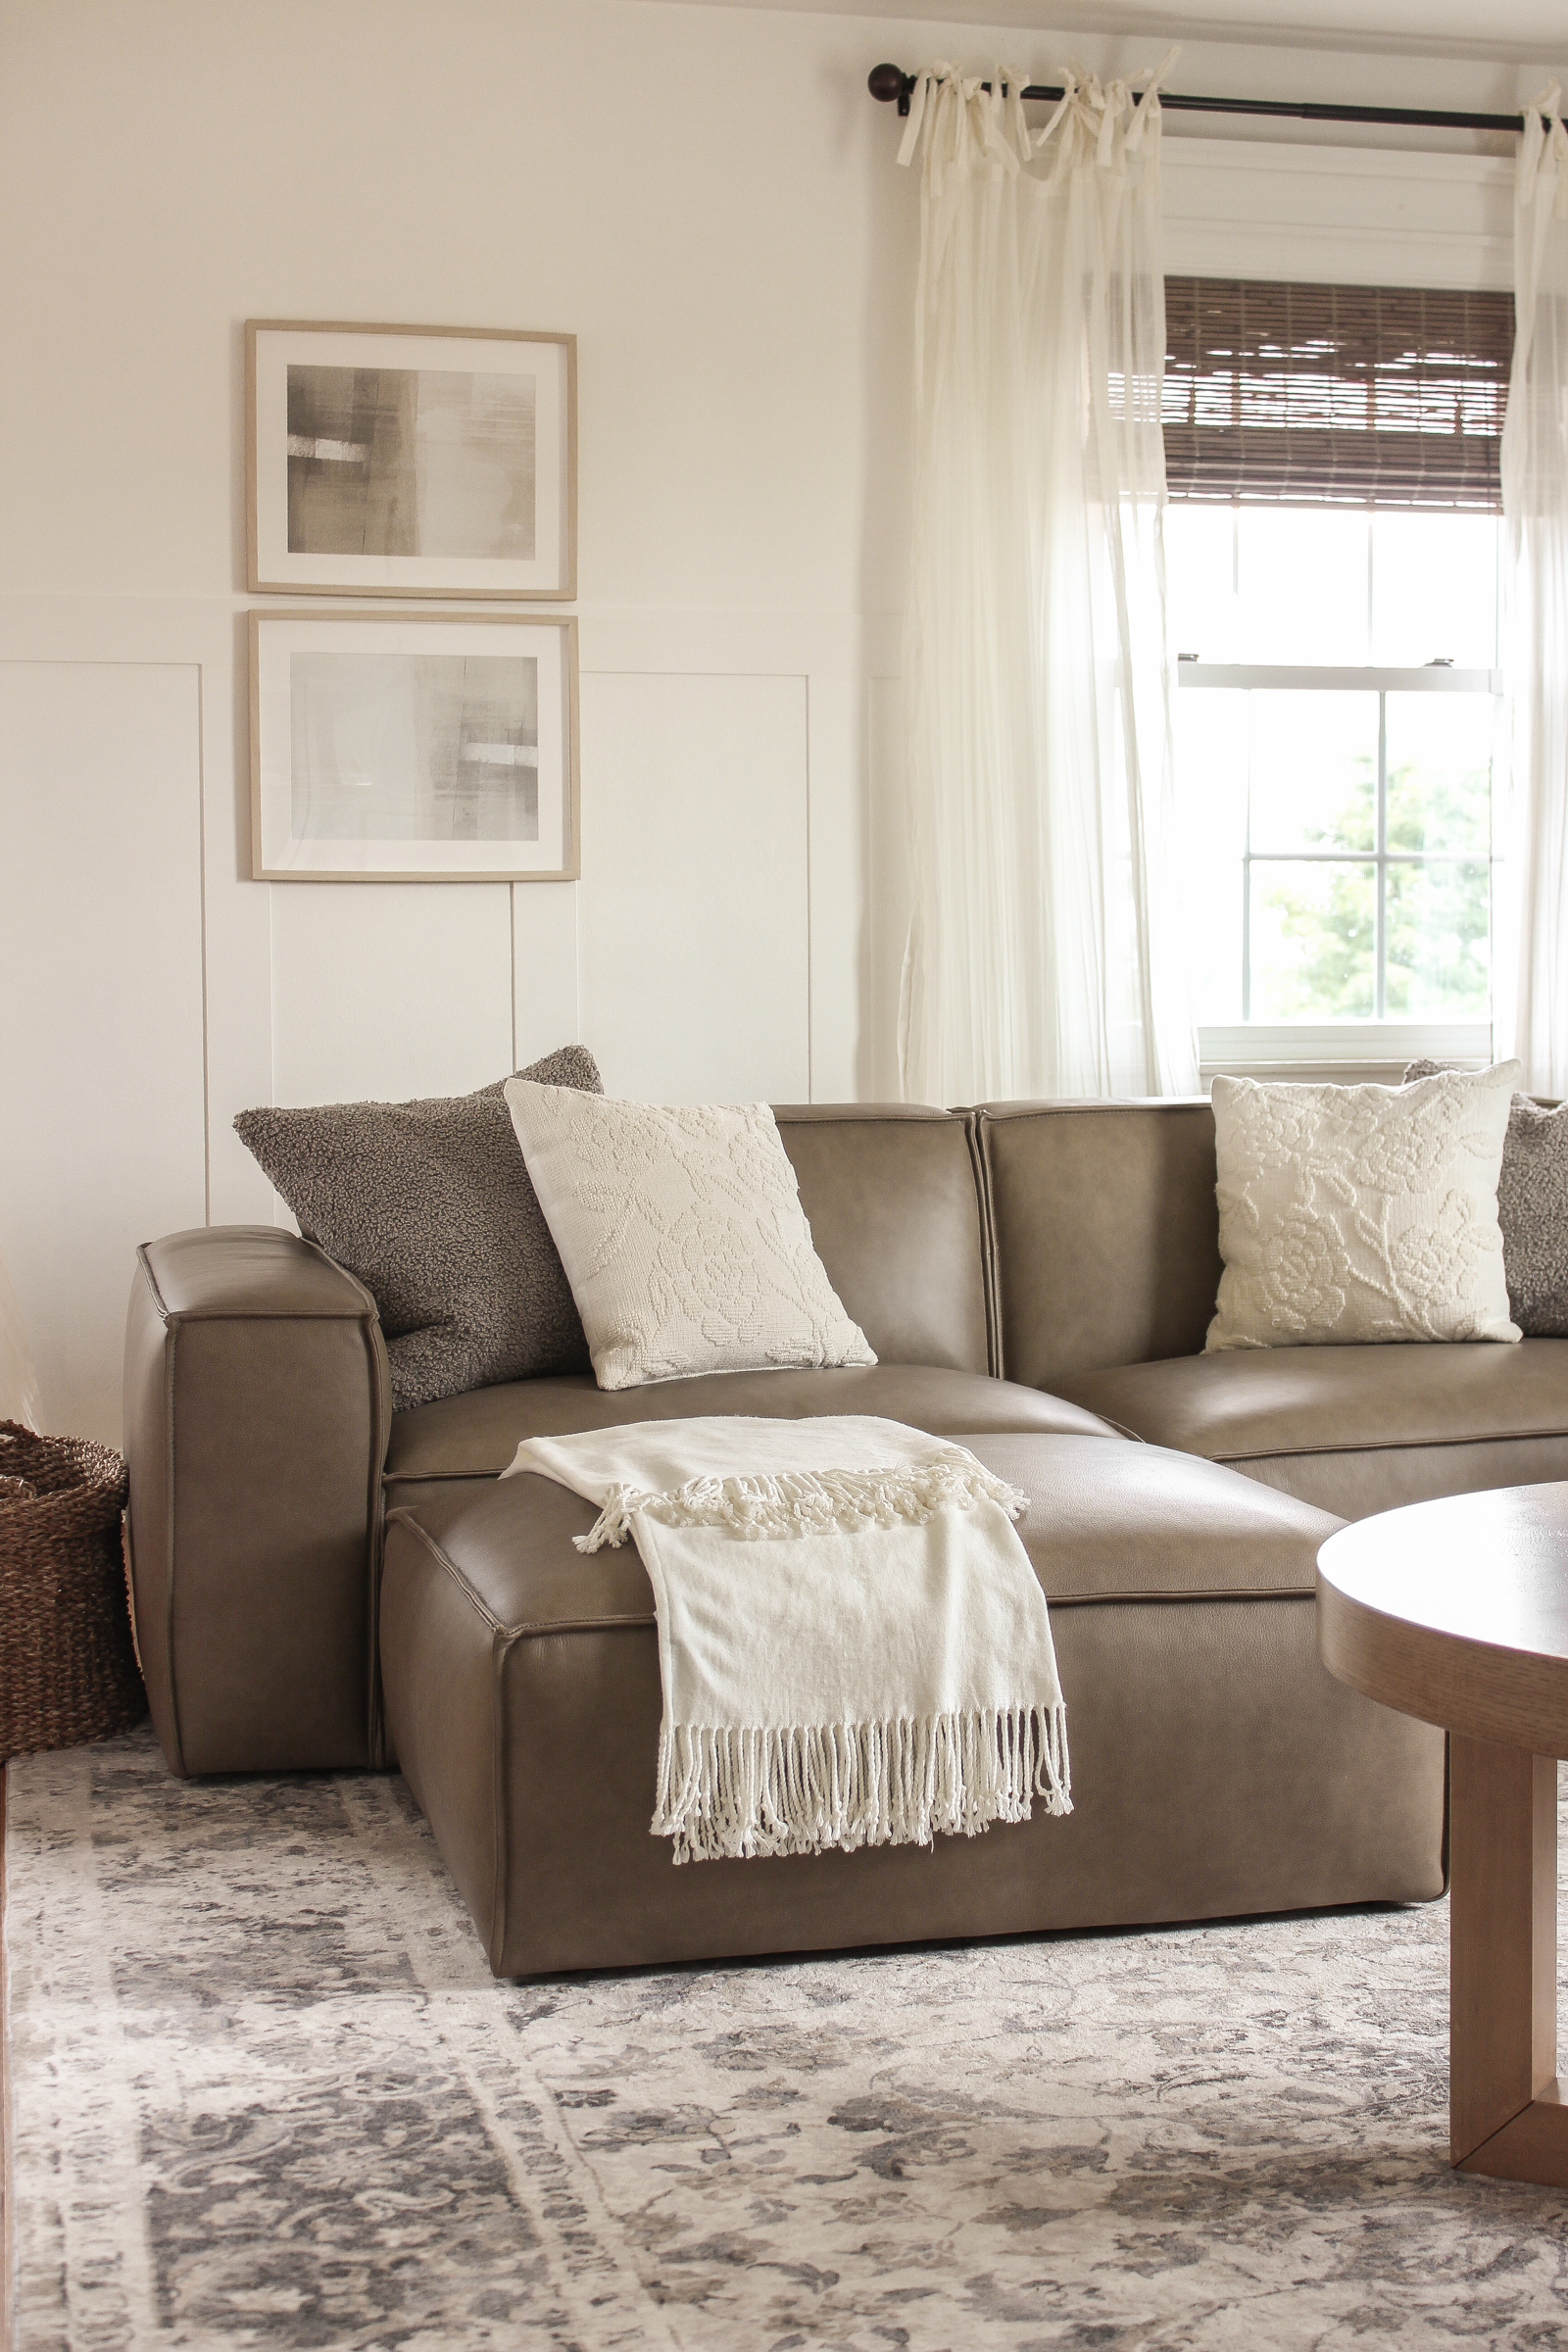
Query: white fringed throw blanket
x=853 y=1646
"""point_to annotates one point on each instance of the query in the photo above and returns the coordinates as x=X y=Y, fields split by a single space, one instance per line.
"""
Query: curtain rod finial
x=888 y=82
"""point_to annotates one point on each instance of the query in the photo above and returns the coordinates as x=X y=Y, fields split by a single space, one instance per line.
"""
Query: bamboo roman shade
x=1335 y=395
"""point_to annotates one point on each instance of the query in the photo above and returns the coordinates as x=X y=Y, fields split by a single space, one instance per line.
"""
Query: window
x=1332 y=565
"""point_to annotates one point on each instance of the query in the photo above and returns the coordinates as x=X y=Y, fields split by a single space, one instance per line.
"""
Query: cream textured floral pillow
x=682 y=1235
x=1361 y=1212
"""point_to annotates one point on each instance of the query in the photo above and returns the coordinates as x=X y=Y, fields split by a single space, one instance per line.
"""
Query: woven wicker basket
x=68 y=1669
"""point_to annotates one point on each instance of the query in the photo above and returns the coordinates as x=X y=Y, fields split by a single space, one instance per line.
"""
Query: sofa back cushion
x=892 y=1195
x=1105 y=1233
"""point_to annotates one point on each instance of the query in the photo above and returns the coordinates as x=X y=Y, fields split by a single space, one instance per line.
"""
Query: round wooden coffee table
x=1457 y=1612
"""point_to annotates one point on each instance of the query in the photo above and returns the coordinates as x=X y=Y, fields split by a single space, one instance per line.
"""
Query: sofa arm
x=256 y=1429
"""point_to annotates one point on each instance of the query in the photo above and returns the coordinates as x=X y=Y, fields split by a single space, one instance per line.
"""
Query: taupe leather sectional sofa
x=322 y=1584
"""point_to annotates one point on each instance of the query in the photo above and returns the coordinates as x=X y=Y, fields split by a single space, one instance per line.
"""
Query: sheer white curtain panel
x=1534 y=505
x=1040 y=961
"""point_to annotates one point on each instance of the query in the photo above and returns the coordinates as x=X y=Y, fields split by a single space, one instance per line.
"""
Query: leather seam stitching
x=380 y=1438
x=1077 y=1601
x=170 y=1340
x=265 y=1314
x=423 y=1535
x=990 y=1273
x=1304 y=1453
x=145 y=1264
x=902 y=1115
x=541 y=1629
x=537 y=1629
x=1114 y=1110
x=424 y=1478
x=500 y=1648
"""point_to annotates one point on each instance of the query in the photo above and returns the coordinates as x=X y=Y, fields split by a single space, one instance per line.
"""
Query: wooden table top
x=1456 y=1611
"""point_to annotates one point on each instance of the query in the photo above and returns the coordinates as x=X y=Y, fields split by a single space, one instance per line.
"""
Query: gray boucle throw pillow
x=1532 y=1210
x=429 y=1204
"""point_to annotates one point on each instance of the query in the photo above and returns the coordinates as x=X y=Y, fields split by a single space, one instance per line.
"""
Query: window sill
x=1346 y=1051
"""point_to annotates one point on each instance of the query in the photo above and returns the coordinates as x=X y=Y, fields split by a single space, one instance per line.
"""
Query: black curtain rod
x=890 y=83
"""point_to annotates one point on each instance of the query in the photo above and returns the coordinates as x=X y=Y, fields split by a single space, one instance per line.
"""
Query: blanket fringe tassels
x=728 y=1794
x=806 y=1502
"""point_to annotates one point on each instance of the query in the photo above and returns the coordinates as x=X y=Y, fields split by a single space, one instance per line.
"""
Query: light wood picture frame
x=413 y=747
x=411 y=460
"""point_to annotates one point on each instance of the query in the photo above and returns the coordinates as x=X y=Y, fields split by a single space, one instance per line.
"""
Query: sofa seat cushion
x=1354 y=1430
x=1107 y=1521
x=477 y=1436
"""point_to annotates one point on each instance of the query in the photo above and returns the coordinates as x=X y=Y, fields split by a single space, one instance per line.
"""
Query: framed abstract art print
x=413 y=462
x=388 y=747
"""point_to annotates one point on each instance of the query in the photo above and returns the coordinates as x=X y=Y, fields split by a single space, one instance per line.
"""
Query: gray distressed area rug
x=265 y=2094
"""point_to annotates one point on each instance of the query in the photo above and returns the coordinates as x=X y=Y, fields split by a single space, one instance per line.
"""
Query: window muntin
x=1357 y=808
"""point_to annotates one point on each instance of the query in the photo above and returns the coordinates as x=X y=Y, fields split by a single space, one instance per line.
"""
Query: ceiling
x=1509 y=31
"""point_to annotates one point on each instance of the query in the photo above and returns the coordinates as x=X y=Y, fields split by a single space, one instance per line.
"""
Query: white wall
x=708 y=198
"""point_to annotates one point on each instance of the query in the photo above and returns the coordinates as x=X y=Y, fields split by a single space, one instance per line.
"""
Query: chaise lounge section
x=1216 y=1767
x=320 y=1584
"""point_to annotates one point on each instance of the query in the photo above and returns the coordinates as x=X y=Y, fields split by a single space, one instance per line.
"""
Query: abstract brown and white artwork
x=412 y=461
x=431 y=748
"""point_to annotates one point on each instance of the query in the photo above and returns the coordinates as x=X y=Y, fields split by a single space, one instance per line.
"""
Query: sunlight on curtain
x=1039 y=961
x=1534 y=505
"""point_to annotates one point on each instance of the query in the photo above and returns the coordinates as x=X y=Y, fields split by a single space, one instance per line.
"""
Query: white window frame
x=1268 y=204
x=1378 y=1048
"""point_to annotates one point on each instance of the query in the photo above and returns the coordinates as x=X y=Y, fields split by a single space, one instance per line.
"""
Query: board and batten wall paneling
x=102 y=1134
x=693 y=950
x=544 y=968
x=388 y=991
x=839 y=850
x=890 y=898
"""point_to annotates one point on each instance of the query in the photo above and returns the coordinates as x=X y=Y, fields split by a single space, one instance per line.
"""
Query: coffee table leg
x=1506 y=2112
